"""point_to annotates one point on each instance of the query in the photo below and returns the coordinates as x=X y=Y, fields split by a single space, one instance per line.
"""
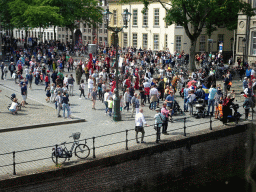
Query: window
x=125 y=40
x=135 y=17
x=253 y=46
x=89 y=30
x=134 y=40
x=156 y=17
x=89 y=39
x=59 y=36
x=85 y=30
x=100 y=40
x=145 y=41
x=85 y=38
x=145 y=19
x=115 y=17
x=156 y=42
x=202 y=43
x=166 y=42
x=178 y=43
x=59 y=29
x=63 y=36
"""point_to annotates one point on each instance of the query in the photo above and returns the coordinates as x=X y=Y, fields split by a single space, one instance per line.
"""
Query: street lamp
x=126 y=18
x=107 y=17
x=244 y=41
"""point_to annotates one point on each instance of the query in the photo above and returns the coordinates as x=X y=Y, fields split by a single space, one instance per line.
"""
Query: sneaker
x=138 y=142
x=143 y=142
x=59 y=115
x=80 y=98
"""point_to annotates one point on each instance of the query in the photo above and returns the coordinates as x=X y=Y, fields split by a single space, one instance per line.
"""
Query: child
x=81 y=88
x=48 y=94
x=94 y=95
x=121 y=103
x=110 y=106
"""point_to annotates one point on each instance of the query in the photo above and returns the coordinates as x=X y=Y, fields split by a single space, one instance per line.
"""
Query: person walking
x=165 y=112
x=139 y=123
x=135 y=104
x=90 y=86
x=65 y=105
x=71 y=81
x=154 y=96
x=94 y=96
x=126 y=99
x=58 y=100
x=2 y=70
x=159 y=119
x=81 y=88
x=211 y=100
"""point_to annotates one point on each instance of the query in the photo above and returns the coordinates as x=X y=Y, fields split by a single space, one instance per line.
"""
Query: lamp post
x=244 y=41
x=107 y=16
x=126 y=18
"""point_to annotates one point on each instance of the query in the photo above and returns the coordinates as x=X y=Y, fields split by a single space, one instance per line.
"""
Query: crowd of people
x=144 y=77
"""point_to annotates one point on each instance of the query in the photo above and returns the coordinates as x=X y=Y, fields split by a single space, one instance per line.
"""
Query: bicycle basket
x=76 y=135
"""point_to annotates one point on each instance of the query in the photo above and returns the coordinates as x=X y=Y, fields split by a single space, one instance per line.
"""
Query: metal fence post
x=14 y=170
x=210 y=122
x=126 y=139
x=185 y=126
x=157 y=133
x=56 y=154
x=93 y=147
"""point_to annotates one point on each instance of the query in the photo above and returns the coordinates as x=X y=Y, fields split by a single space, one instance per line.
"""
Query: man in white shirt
x=90 y=86
x=139 y=123
x=153 y=94
x=106 y=98
x=104 y=74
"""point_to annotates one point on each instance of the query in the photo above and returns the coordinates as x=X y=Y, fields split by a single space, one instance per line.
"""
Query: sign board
x=220 y=47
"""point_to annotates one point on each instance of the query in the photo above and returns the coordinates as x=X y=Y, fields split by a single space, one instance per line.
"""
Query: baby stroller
x=200 y=108
x=12 y=97
x=176 y=108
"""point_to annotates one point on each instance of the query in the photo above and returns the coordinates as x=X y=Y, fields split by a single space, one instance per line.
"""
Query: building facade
x=150 y=31
x=246 y=37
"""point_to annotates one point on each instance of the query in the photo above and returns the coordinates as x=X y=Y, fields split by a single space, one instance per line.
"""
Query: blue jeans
x=211 y=104
x=185 y=104
x=106 y=105
x=154 y=104
x=110 y=111
x=65 y=107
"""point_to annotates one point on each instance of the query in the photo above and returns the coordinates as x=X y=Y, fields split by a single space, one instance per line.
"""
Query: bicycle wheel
x=82 y=151
x=60 y=160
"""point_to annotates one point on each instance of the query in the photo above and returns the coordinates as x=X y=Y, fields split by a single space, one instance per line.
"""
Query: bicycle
x=60 y=155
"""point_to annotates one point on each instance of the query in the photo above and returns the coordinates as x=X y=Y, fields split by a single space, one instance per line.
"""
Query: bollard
x=157 y=133
x=210 y=122
x=93 y=147
x=126 y=140
x=14 y=170
x=185 y=126
x=56 y=154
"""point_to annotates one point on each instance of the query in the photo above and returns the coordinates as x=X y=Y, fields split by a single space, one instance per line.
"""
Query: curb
x=41 y=125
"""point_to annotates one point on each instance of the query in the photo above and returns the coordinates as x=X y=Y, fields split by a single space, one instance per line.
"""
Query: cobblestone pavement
x=29 y=116
x=97 y=124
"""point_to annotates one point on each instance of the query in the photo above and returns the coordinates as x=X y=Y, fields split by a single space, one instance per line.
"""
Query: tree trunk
x=54 y=33
x=192 y=54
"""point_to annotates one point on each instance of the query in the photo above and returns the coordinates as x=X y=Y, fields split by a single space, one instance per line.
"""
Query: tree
x=193 y=15
x=27 y=14
x=76 y=11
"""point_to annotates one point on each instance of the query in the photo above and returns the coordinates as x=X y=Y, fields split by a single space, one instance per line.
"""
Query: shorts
x=24 y=97
x=12 y=110
x=90 y=90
